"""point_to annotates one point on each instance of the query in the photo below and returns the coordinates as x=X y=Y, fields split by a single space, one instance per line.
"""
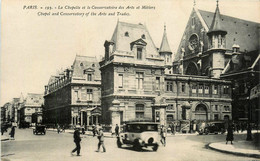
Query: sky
x=35 y=47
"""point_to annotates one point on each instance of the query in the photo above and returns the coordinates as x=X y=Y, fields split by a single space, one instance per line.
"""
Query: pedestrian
x=101 y=140
x=12 y=132
x=77 y=140
x=58 y=128
x=230 y=136
x=94 y=130
x=117 y=130
x=172 y=129
x=163 y=135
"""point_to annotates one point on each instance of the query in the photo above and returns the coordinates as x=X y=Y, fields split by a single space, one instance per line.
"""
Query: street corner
x=241 y=148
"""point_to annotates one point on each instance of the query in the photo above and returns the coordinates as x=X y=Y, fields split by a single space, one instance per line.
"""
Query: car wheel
x=155 y=148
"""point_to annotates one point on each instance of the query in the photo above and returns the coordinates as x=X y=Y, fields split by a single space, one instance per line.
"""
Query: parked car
x=39 y=129
x=213 y=127
x=140 y=134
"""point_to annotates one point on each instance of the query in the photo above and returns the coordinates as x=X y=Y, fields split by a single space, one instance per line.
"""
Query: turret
x=217 y=44
x=165 y=51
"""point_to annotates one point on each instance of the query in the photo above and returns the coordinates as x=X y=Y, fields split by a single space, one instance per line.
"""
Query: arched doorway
x=192 y=69
x=201 y=112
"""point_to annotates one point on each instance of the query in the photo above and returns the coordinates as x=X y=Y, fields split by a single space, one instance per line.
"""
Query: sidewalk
x=242 y=148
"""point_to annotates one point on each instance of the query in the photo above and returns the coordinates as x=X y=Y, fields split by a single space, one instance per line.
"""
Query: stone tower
x=217 y=46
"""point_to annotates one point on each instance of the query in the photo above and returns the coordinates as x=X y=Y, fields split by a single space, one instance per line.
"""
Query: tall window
x=169 y=86
x=120 y=80
x=139 y=80
x=194 y=89
x=193 y=21
x=183 y=87
x=215 y=89
x=157 y=83
x=215 y=116
x=76 y=95
x=200 y=89
x=89 y=94
x=139 y=53
x=139 y=111
x=216 y=107
x=206 y=89
x=226 y=89
x=89 y=77
x=83 y=94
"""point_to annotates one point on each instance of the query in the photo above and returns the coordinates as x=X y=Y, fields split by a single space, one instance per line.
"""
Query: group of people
x=11 y=133
x=77 y=139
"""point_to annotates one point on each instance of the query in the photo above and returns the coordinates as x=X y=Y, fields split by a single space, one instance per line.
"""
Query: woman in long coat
x=230 y=136
x=12 y=132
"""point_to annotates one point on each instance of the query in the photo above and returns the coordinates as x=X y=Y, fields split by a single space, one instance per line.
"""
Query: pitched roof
x=241 y=32
x=82 y=63
x=243 y=62
x=134 y=32
x=216 y=25
x=165 y=45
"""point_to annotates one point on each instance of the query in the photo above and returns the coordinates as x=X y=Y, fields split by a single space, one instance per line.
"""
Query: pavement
x=241 y=148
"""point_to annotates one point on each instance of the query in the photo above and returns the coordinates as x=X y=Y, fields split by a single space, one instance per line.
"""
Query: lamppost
x=249 y=133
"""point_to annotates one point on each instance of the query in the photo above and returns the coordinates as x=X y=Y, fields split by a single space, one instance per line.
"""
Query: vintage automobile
x=39 y=129
x=140 y=134
x=213 y=127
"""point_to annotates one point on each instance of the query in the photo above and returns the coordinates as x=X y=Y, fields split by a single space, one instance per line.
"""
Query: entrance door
x=201 y=112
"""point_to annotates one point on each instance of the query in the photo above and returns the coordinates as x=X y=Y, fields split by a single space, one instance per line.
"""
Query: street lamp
x=249 y=132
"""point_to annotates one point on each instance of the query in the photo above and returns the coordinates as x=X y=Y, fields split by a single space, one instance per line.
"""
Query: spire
x=194 y=3
x=216 y=25
x=165 y=45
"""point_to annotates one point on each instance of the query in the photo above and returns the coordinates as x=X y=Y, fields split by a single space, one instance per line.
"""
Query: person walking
x=172 y=129
x=101 y=140
x=230 y=136
x=12 y=132
x=94 y=130
x=77 y=140
x=117 y=130
x=163 y=135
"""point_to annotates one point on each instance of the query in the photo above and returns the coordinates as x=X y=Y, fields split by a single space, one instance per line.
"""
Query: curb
x=235 y=153
x=4 y=139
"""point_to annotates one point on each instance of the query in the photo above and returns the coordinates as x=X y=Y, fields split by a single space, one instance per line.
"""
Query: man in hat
x=77 y=140
x=101 y=140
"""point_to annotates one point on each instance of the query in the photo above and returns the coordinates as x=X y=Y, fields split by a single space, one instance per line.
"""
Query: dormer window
x=139 y=53
x=126 y=34
x=143 y=36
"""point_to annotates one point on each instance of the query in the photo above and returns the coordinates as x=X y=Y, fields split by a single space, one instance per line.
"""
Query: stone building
x=138 y=84
x=73 y=96
x=221 y=46
x=32 y=105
